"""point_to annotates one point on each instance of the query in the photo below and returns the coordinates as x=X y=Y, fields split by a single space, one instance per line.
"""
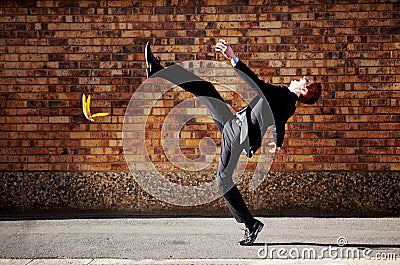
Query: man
x=242 y=132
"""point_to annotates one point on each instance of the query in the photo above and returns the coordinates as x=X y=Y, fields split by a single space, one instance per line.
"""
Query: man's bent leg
x=237 y=207
x=230 y=152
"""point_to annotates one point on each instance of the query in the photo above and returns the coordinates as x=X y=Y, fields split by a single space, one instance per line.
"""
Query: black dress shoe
x=152 y=63
x=250 y=234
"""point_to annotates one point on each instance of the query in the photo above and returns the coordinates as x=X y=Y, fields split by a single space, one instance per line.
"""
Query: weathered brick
x=53 y=51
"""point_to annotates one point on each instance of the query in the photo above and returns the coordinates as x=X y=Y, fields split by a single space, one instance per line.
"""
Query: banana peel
x=86 y=109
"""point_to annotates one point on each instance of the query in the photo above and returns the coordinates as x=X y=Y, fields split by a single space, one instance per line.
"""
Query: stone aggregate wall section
x=53 y=51
x=373 y=194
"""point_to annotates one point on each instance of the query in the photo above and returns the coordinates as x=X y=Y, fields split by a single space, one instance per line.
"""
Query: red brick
x=46 y=63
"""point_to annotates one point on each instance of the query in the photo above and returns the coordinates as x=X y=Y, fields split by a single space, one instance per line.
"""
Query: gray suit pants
x=230 y=142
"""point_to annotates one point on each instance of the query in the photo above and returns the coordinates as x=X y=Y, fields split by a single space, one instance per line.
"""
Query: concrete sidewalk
x=199 y=241
x=190 y=262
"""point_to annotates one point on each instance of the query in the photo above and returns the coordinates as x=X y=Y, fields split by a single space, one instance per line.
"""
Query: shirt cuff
x=234 y=61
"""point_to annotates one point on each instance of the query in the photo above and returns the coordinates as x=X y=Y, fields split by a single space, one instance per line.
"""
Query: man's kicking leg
x=203 y=90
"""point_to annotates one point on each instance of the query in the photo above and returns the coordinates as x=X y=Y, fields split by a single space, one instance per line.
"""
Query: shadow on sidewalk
x=359 y=246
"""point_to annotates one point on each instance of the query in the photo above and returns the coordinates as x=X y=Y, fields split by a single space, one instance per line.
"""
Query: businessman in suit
x=242 y=132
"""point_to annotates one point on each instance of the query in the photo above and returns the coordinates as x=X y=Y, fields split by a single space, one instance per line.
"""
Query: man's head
x=306 y=89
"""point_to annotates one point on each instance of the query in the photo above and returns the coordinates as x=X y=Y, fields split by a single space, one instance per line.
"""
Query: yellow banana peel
x=86 y=109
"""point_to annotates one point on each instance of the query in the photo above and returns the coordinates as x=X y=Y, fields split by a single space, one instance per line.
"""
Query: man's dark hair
x=313 y=94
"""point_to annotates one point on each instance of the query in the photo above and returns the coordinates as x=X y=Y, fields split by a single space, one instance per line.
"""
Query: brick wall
x=53 y=51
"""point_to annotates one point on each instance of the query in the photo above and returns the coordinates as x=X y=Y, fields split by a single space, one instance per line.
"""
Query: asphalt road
x=168 y=239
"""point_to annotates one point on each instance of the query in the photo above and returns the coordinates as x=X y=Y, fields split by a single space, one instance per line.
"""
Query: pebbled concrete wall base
x=349 y=194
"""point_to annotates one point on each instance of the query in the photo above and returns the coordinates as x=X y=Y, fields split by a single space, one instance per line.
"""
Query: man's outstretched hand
x=223 y=47
x=274 y=148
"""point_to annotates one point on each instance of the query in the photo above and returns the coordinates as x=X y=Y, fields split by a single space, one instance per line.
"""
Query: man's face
x=302 y=84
